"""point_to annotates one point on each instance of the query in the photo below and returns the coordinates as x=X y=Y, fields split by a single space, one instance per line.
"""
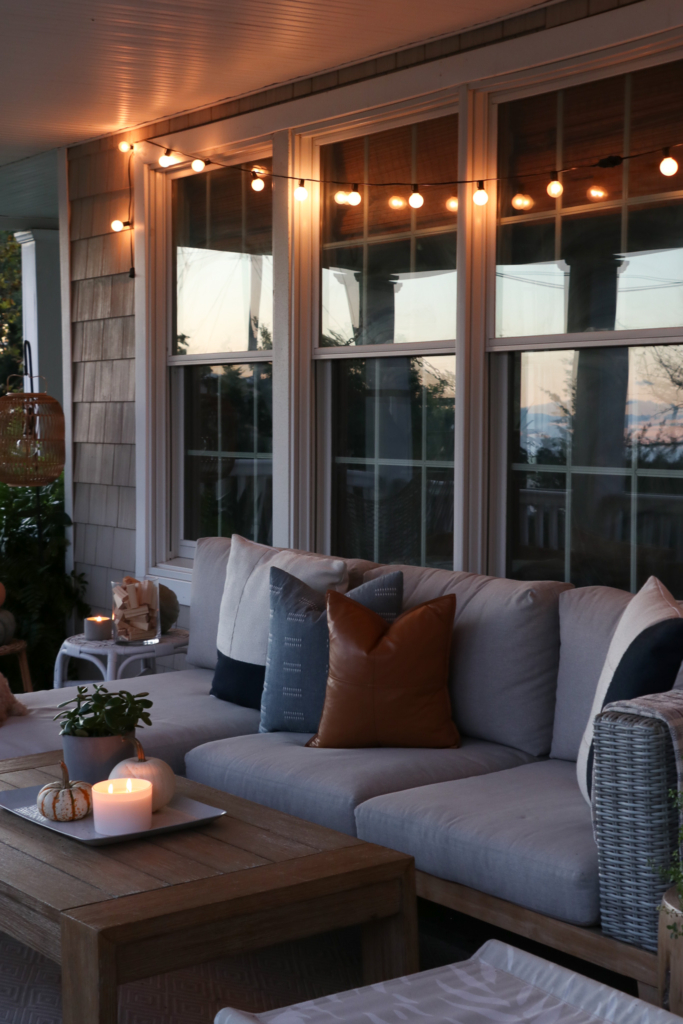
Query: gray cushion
x=506 y=648
x=184 y=715
x=588 y=618
x=297 y=662
x=325 y=785
x=208 y=583
x=524 y=835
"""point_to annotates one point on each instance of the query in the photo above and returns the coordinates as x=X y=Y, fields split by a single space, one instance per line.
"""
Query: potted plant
x=99 y=730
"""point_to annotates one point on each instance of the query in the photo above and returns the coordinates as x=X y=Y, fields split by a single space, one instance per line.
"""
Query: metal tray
x=181 y=812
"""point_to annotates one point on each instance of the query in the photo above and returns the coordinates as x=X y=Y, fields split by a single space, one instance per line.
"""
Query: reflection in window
x=621 y=252
x=390 y=426
x=596 y=466
x=223 y=263
x=388 y=270
x=228 y=443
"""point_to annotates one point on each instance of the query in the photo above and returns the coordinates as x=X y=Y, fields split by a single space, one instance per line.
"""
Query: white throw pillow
x=644 y=657
x=245 y=607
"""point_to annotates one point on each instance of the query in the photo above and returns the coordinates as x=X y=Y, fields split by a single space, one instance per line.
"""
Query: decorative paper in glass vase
x=135 y=609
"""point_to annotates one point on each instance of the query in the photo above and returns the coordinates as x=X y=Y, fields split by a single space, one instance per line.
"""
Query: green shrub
x=40 y=593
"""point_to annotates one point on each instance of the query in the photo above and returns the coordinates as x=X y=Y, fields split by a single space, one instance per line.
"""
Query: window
x=388 y=269
x=391 y=425
x=389 y=278
x=607 y=254
x=595 y=492
x=223 y=310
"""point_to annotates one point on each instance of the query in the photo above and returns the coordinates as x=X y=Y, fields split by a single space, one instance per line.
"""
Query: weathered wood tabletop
x=250 y=879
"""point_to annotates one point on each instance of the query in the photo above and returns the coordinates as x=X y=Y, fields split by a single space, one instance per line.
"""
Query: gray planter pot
x=91 y=758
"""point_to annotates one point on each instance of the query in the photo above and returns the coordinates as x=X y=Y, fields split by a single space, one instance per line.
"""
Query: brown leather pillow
x=387 y=682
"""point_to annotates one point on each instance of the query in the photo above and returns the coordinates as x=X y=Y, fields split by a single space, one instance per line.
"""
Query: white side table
x=111 y=658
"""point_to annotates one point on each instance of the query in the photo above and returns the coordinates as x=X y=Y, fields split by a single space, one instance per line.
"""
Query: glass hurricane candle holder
x=135 y=609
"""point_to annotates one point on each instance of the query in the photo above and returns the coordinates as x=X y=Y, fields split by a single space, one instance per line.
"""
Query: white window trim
x=621 y=40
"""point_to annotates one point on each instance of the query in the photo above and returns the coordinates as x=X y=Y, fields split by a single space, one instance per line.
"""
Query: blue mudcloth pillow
x=299 y=646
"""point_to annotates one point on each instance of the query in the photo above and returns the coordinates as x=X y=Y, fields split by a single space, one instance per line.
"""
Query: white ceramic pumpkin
x=64 y=800
x=153 y=769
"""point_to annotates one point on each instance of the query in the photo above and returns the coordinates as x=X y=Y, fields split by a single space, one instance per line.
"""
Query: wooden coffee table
x=251 y=879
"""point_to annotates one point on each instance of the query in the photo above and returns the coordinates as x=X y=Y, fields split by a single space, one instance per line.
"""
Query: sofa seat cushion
x=524 y=835
x=325 y=785
x=184 y=714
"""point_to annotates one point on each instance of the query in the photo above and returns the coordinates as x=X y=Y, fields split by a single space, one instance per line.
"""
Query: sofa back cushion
x=505 y=652
x=588 y=619
x=208 y=583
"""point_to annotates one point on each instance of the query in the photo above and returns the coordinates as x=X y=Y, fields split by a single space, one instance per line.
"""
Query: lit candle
x=121 y=806
x=98 y=627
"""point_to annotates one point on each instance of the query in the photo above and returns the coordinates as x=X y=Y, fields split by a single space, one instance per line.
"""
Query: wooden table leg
x=88 y=975
x=25 y=674
x=390 y=945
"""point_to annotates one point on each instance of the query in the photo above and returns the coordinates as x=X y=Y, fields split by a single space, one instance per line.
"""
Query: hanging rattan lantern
x=31 y=435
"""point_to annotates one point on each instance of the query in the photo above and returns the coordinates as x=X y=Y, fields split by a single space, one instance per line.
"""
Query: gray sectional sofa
x=501 y=817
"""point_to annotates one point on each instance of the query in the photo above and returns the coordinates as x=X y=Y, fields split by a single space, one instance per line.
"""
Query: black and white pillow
x=644 y=657
x=244 y=617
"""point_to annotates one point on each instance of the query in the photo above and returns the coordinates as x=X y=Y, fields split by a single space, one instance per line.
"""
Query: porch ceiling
x=77 y=69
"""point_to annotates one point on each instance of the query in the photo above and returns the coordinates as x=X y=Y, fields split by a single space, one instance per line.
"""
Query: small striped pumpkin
x=64 y=800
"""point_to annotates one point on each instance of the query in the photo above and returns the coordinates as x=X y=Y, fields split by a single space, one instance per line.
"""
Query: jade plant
x=98 y=712
x=673 y=874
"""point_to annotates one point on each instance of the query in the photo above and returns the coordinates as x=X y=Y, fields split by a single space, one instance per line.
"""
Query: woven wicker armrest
x=635 y=822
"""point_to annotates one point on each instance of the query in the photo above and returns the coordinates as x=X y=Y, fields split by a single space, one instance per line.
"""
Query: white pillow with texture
x=245 y=607
x=652 y=604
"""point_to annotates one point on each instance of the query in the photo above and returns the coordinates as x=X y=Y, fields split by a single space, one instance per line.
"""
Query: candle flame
x=129 y=785
x=111 y=787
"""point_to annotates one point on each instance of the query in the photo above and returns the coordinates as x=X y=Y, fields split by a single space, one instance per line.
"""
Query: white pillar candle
x=97 y=627
x=121 y=806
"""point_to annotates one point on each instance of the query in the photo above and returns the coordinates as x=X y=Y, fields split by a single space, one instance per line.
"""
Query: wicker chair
x=635 y=823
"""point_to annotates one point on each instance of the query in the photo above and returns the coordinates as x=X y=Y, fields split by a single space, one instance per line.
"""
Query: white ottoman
x=498 y=985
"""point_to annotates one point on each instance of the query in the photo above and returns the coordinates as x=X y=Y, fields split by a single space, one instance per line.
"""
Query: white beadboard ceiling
x=77 y=69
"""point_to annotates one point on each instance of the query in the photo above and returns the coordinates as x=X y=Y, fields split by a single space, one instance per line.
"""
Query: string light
x=126 y=147
x=668 y=166
x=522 y=202
x=596 y=192
x=301 y=192
x=341 y=197
x=166 y=158
x=481 y=196
x=354 y=197
x=452 y=204
x=198 y=165
x=397 y=203
x=258 y=184
x=416 y=200
x=555 y=187
x=119 y=225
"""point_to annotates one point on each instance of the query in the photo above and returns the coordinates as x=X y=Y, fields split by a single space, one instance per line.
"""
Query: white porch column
x=41 y=306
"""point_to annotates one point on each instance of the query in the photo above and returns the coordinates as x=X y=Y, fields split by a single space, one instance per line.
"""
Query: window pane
x=609 y=254
x=397 y=284
x=228 y=443
x=391 y=424
x=223 y=247
x=595 y=492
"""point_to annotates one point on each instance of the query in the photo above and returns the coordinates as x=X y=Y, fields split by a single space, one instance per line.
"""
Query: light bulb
x=341 y=197
x=198 y=165
x=166 y=159
x=668 y=165
x=301 y=192
x=125 y=147
x=258 y=184
x=354 y=196
x=481 y=196
x=452 y=204
x=596 y=192
x=119 y=225
x=555 y=188
x=416 y=200
x=397 y=202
